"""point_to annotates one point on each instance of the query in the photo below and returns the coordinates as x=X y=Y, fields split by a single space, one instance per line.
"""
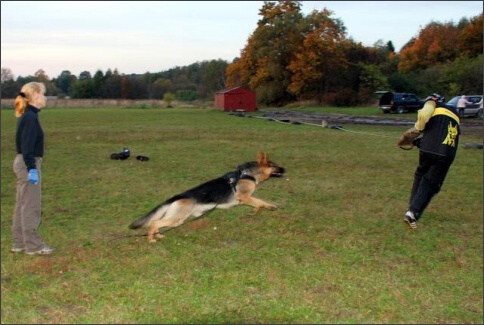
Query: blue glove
x=33 y=176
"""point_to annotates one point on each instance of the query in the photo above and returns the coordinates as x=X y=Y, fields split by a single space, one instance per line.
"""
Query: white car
x=473 y=109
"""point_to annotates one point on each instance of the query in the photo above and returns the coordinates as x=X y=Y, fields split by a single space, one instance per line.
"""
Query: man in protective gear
x=439 y=126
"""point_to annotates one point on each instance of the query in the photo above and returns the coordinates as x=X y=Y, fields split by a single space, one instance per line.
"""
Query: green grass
x=336 y=250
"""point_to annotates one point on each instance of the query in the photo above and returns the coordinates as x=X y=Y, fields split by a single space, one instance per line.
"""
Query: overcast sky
x=154 y=36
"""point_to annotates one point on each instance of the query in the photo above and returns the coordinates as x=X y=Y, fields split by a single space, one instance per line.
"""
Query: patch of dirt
x=469 y=126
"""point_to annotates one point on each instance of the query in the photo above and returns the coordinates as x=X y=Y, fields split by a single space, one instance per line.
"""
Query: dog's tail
x=156 y=213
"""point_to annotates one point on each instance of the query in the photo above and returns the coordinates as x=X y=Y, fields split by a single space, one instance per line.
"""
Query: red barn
x=237 y=98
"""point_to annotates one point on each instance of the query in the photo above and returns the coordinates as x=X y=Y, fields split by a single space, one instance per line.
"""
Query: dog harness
x=234 y=177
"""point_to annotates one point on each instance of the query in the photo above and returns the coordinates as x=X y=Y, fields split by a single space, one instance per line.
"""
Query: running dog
x=233 y=188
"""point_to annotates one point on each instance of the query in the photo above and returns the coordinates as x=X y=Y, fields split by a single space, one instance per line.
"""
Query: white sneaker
x=409 y=218
x=46 y=250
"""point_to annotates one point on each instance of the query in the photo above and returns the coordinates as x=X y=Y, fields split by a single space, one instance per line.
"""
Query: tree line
x=196 y=81
x=294 y=57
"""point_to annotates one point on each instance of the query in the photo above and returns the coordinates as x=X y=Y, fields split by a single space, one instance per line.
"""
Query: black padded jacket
x=29 y=139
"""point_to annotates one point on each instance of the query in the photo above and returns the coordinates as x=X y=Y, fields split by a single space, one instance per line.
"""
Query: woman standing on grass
x=29 y=141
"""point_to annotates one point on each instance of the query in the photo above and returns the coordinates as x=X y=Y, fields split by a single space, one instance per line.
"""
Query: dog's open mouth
x=278 y=173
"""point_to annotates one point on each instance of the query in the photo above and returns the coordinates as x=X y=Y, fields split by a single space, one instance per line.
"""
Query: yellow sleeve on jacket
x=424 y=114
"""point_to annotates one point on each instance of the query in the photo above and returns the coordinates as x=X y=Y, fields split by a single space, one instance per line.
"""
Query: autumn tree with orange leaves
x=439 y=43
x=470 y=37
x=292 y=57
x=270 y=49
x=320 y=55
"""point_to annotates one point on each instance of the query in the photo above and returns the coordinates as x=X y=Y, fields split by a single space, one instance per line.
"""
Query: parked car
x=391 y=102
x=471 y=109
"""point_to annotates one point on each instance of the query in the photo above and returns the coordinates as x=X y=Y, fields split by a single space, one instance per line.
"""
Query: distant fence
x=80 y=103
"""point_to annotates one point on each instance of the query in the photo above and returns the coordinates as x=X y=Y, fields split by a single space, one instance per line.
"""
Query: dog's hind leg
x=176 y=215
x=156 y=225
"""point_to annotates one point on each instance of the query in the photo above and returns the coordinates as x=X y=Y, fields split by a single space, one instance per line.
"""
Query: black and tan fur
x=233 y=188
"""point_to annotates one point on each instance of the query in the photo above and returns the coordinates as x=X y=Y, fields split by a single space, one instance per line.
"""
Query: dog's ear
x=261 y=159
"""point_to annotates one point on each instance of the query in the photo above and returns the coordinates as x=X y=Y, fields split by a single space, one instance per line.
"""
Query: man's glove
x=33 y=176
x=408 y=137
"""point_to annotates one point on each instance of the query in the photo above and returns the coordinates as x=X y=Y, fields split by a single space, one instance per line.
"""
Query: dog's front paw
x=151 y=241
x=270 y=207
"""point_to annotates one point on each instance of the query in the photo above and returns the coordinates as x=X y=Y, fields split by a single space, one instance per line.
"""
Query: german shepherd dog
x=233 y=188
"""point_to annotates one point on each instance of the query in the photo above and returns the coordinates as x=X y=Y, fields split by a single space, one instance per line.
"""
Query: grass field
x=336 y=250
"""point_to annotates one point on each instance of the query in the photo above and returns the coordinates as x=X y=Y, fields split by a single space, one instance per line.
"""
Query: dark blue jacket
x=29 y=139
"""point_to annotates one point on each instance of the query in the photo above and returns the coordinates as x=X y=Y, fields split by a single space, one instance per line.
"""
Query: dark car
x=473 y=109
x=391 y=102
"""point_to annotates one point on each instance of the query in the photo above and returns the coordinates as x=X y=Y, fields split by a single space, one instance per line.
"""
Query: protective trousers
x=428 y=179
x=27 y=211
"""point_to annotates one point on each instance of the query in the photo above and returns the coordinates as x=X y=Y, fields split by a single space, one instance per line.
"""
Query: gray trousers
x=27 y=211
